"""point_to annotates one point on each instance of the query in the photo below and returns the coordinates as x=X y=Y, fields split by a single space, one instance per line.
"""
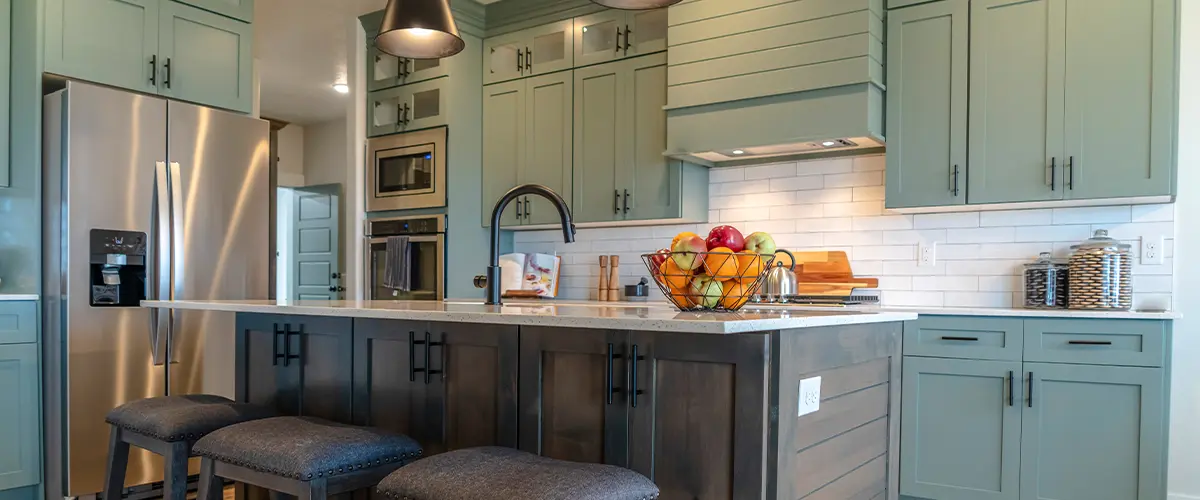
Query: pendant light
x=419 y=29
x=636 y=4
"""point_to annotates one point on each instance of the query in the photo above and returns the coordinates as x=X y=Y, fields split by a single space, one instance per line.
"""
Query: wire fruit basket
x=708 y=281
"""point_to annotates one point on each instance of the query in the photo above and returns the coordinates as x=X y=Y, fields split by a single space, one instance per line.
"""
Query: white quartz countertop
x=14 y=297
x=614 y=316
x=984 y=311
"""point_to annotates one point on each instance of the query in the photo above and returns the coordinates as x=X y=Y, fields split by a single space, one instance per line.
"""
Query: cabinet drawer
x=964 y=337
x=18 y=322
x=1095 y=341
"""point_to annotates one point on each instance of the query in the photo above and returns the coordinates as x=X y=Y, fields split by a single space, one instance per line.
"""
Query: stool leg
x=210 y=484
x=317 y=490
x=176 y=464
x=118 y=461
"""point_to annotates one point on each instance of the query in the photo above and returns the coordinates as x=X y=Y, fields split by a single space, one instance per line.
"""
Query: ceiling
x=301 y=51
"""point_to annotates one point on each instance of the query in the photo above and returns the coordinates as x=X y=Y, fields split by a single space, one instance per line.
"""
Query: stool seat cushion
x=503 y=473
x=182 y=418
x=306 y=448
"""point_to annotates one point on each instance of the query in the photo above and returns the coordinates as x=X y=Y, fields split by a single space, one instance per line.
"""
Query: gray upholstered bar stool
x=168 y=426
x=504 y=474
x=303 y=456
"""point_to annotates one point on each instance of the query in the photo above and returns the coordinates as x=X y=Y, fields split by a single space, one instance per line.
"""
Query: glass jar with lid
x=1101 y=274
x=1046 y=283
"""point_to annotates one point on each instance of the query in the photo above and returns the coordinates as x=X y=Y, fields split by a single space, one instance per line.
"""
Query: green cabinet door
x=600 y=37
x=504 y=58
x=503 y=146
x=549 y=48
x=646 y=32
x=113 y=42
x=599 y=128
x=242 y=10
x=1120 y=97
x=5 y=96
x=548 y=137
x=383 y=70
x=207 y=58
x=1016 y=104
x=385 y=110
x=424 y=104
x=652 y=180
x=20 y=456
x=960 y=436
x=927 y=105
x=1094 y=432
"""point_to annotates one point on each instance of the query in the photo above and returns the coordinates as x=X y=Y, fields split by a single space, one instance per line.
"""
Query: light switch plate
x=810 y=396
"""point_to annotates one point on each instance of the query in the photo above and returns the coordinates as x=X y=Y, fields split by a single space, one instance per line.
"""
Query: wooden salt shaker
x=614 y=279
x=603 y=278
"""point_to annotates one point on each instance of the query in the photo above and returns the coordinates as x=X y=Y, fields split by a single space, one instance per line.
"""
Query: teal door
x=113 y=42
x=961 y=431
x=1120 y=104
x=927 y=105
x=315 y=240
x=242 y=10
x=548 y=125
x=1016 y=115
x=20 y=456
x=653 y=180
x=207 y=58
x=503 y=146
x=600 y=120
x=1093 y=432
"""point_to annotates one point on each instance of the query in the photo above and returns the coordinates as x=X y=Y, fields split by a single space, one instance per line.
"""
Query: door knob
x=337 y=288
x=335 y=276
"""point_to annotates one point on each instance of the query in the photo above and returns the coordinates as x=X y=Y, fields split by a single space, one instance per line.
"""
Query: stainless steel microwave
x=407 y=171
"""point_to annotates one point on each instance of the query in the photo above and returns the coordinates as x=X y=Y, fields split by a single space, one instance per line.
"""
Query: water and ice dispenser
x=118 y=268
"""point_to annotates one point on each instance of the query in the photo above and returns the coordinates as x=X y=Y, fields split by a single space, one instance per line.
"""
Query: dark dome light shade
x=636 y=4
x=419 y=29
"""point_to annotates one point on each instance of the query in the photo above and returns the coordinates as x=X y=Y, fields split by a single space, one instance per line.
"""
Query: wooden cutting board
x=825 y=273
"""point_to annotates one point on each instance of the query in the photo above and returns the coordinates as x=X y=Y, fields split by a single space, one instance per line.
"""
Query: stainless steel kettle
x=780 y=281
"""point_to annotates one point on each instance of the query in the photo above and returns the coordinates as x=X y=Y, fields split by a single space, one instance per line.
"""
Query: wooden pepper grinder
x=614 y=280
x=603 y=278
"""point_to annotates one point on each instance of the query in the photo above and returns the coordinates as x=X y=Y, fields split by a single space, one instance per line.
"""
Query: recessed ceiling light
x=829 y=144
x=585 y=29
x=738 y=152
x=341 y=88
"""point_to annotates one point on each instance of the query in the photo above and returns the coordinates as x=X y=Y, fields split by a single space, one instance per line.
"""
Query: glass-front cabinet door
x=383 y=70
x=419 y=70
x=424 y=105
x=503 y=58
x=599 y=37
x=646 y=32
x=550 y=48
x=385 y=111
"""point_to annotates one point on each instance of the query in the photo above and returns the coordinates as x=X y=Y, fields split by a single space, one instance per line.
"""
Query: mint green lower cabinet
x=112 y=42
x=207 y=59
x=20 y=455
x=242 y=10
x=967 y=338
x=961 y=429
x=1093 y=432
x=548 y=139
x=600 y=119
x=927 y=105
x=503 y=146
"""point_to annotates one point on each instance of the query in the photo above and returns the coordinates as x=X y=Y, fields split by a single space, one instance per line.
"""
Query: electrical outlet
x=810 y=396
x=927 y=254
x=1152 y=250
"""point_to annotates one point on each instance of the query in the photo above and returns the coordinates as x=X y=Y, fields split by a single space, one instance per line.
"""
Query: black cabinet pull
x=528 y=59
x=634 y=392
x=628 y=44
x=287 y=355
x=407 y=110
x=520 y=61
x=275 y=346
x=520 y=213
x=1053 y=170
x=610 y=387
x=626 y=202
x=962 y=339
x=619 y=44
x=404 y=72
x=616 y=201
x=1071 y=173
x=1031 y=389
x=167 y=80
x=154 y=70
x=429 y=371
x=1089 y=342
x=412 y=356
x=1010 y=388
x=955 y=189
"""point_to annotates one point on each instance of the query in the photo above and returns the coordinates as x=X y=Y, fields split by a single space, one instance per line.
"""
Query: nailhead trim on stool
x=182 y=418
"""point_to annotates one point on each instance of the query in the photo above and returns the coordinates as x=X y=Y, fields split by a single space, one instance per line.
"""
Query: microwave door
x=405 y=172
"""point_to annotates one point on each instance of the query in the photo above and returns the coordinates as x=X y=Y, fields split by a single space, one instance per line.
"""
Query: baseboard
x=1181 y=496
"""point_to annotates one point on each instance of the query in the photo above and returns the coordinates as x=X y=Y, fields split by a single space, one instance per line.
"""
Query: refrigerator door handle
x=176 y=259
x=161 y=284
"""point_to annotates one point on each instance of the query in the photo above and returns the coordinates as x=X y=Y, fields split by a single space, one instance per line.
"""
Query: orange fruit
x=734 y=294
x=681 y=236
x=680 y=297
x=721 y=264
x=673 y=276
x=750 y=266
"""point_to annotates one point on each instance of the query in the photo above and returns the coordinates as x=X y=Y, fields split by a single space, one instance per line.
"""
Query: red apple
x=658 y=258
x=726 y=236
x=760 y=243
x=686 y=252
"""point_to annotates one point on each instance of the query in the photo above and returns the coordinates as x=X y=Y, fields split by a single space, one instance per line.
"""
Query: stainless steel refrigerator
x=143 y=198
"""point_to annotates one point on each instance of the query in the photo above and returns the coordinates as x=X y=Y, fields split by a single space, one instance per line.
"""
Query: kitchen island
x=708 y=405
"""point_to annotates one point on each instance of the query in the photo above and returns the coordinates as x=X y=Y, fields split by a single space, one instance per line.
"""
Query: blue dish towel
x=397 y=273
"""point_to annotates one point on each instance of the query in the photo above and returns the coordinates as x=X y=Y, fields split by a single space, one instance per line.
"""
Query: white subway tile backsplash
x=835 y=204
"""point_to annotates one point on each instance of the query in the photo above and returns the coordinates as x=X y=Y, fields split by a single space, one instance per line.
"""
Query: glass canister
x=1101 y=274
x=1046 y=283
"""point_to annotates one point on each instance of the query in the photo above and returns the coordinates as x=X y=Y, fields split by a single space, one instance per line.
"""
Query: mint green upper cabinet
x=961 y=432
x=410 y=107
x=386 y=71
x=114 y=42
x=238 y=9
x=1094 y=432
x=653 y=179
x=646 y=32
x=503 y=145
x=616 y=34
x=600 y=115
x=503 y=58
x=927 y=105
x=207 y=58
x=20 y=456
x=5 y=95
x=534 y=51
x=1016 y=115
x=1120 y=97
x=548 y=139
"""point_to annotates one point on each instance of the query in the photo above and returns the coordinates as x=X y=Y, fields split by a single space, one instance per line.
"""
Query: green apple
x=705 y=292
x=686 y=252
x=760 y=243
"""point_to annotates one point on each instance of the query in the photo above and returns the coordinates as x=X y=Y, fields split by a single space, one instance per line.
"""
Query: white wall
x=283 y=242
x=837 y=204
x=1184 y=463
x=290 y=170
x=325 y=162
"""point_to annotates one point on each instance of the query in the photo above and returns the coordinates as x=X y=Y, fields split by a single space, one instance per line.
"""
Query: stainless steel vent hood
x=796 y=78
